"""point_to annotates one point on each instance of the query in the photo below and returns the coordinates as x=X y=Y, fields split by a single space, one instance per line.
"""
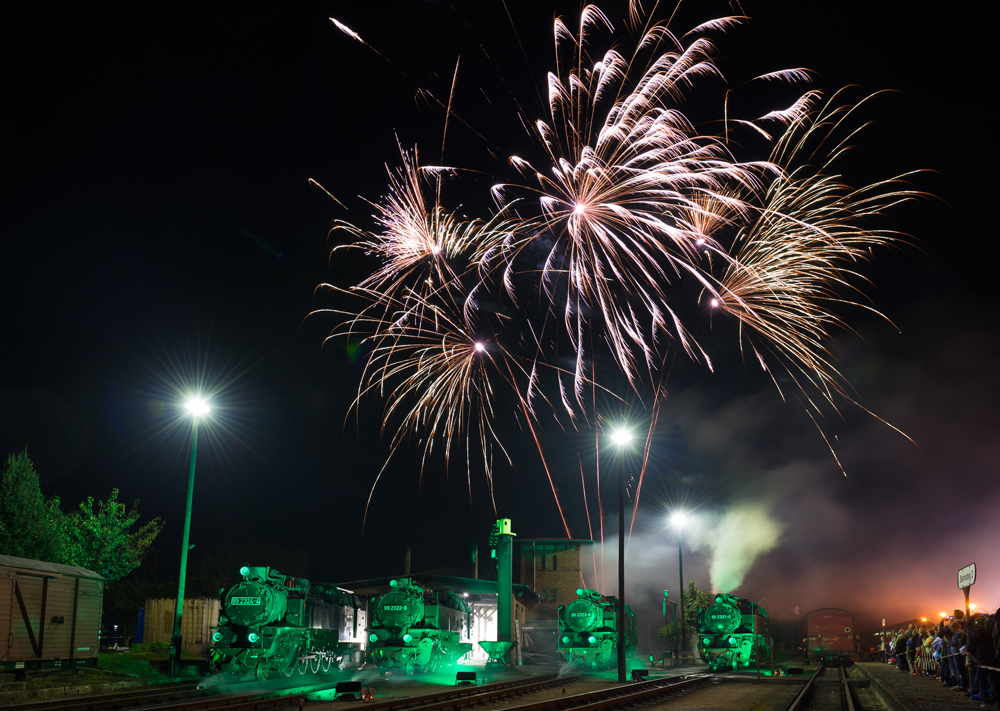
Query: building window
x=543 y=563
x=553 y=561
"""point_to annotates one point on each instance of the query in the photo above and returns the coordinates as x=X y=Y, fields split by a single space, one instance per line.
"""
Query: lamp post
x=197 y=407
x=621 y=437
x=678 y=520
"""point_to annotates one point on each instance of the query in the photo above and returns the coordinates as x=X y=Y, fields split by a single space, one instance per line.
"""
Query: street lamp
x=678 y=519
x=198 y=409
x=621 y=437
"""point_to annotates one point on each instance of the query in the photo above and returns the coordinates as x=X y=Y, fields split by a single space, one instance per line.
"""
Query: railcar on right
x=830 y=636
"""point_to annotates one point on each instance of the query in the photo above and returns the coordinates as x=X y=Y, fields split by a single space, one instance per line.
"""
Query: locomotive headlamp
x=407 y=638
x=373 y=637
x=393 y=583
x=707 y=641
x=244 y=570
x=565 y=640
x=217 y=637
x=253 y=636
x=591 y=639
x=579 y=592
x=732 y=640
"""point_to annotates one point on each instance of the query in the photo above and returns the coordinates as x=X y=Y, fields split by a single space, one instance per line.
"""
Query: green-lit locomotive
x=733 y=633
x=588 y=630
x=276 y=624
x=417 y=629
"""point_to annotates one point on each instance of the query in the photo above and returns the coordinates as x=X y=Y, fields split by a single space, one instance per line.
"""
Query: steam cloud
x=741 y=535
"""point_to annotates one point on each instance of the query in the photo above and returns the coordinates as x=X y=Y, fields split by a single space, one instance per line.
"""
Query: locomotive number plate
x=579 y=614
x=244 y=601
x=400 y=608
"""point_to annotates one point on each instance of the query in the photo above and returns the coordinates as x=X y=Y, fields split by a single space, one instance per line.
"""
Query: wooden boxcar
x=50 y=614
x=831 y=637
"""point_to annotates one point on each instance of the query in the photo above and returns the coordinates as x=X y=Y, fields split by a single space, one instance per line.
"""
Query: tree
x=668 y=636
x=695 y=600
x=101 y=540
x=31 y=526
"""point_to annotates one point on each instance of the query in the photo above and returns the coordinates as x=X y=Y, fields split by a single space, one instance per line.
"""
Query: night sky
x=159 y=231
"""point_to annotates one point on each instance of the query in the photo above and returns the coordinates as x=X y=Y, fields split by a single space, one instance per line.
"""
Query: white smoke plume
x=742 y=534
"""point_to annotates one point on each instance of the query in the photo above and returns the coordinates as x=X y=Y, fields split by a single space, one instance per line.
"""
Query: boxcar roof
x=40 y=566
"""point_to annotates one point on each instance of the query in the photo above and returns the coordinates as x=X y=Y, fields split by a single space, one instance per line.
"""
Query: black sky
x=157 y=224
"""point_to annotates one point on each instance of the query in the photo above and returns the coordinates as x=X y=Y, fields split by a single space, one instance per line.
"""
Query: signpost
x=966 y=579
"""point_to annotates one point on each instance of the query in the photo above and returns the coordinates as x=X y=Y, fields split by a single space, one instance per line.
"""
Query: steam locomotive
x=417 y=629
x=733 y=633
x=276 y=624
x=588 y=630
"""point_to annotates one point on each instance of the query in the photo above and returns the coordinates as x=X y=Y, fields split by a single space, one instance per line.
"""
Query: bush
x=144 y=647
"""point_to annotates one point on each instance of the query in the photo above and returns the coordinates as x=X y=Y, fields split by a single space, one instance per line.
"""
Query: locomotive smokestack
x=474 y=555
x=406 y=561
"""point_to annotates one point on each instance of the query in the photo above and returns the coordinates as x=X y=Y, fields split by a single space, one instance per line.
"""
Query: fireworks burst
x=630 y=226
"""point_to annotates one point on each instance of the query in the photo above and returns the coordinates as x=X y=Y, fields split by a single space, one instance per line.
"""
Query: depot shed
x=50 y=614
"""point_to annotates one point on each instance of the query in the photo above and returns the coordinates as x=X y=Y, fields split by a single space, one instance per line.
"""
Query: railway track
x=826 y=690
x=610 y=698
x=192 y=697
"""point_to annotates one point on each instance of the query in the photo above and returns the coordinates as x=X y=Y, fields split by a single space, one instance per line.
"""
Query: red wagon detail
x=831 y=636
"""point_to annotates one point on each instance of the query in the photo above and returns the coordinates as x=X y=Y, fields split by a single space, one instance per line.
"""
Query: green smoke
x=744 y=533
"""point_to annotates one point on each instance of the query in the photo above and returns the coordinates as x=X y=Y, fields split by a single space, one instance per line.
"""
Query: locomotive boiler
x=588 y=630
x=416 y=629
x=733 y=633
x=277 y=624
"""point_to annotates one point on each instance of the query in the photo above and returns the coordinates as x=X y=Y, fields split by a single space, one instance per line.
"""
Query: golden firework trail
x=630 y=228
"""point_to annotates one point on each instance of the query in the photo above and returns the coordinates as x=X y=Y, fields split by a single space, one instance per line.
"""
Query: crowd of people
x=964 y=654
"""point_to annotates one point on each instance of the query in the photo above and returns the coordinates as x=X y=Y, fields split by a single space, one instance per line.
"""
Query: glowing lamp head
x=479 y=347
x=714 y=303
x=244 y=570
x=253 y=636
x=407 y=638
x=621 y=436
x=393 y=583
x=373 y=637
x=972 y=606
x=943 y=614
x=217 y=637
x=565 y=640
x=707 y=641
x=678 y=519
x=197 y=407
x=592 y=639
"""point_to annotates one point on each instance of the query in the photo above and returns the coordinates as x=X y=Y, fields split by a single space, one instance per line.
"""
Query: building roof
x=551 y=544
x=41 y=567
x=451 y=583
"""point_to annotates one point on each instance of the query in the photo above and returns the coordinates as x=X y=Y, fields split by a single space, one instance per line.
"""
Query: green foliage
x=144 y=647
x=30 y=526
x=101 y=540
x=668 y=636
x=694 y=600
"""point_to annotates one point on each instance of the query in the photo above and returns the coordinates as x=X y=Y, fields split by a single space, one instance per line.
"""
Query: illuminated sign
x=967 y=576
x=244 y=601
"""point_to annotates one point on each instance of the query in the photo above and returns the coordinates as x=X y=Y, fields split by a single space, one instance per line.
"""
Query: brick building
x=551 y=567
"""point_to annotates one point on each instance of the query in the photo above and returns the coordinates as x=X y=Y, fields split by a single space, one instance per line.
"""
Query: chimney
x=406 y=562
x=474 y=555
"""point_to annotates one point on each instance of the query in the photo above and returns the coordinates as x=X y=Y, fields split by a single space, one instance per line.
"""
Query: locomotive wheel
x=262 y=671
x=301 y=665
x=409 y=667
x=314 y=662
x=325 y=663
